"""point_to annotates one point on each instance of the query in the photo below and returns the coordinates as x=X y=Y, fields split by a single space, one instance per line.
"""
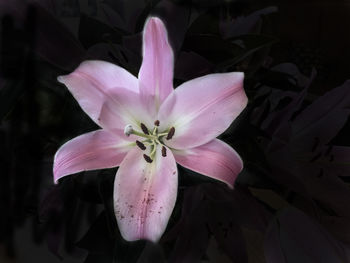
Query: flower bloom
x=147 y=126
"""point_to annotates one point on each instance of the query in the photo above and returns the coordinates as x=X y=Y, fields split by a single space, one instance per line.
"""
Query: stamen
x=163 y=151
x=147 y=158
x=128 y=130
x=140 y=145
x=157 y=123
x=154 y=132
x=170 y=133
x=144 y=129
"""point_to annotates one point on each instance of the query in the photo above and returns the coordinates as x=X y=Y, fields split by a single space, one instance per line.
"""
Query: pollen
x=140 y=145
x=144 y=129
x=147 y=158
x=163 y=151
x=170 y=133
x=156 y=123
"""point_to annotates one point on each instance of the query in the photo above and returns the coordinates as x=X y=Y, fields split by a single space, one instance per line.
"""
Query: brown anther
x=140 y=145
x=170 y=133
x=157 y=123
x=147 y=158
x=163 y=151
x=144 y=129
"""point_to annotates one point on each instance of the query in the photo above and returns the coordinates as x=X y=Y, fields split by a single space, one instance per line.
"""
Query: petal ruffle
x=145 y=194
x=94 y=150
x=94 y=83
x=202 y=108
x=215 y=159
x=156 y=72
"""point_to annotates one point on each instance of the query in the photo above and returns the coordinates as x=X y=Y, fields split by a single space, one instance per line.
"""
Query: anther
x=163 y=151
x=147 y=158
x=128 y=130
x=144 y=129
x=140 y=145
x=170 y=133
x=156 y=123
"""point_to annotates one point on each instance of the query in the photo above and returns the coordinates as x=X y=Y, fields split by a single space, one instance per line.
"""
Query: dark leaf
x=97 y=240
x=212 y=47
x=245 y=25
x=93 y=31
x=10 y=94
x=323 y=118
x=176 y=19
x=204 y=24
x=249 y=45
x=60 y=48
x=294 y=237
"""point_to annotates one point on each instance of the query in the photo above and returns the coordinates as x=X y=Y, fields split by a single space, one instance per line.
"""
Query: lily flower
x=148 y=127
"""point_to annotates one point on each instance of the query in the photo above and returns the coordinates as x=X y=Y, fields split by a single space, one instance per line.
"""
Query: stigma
x=128 y=130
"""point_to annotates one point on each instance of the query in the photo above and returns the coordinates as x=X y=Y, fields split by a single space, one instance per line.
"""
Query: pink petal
x=156 y=72
x=94 y=150
x=202 y=108
x=145 y=194
x=125 y=107
x=215 y=159
x=94 y=83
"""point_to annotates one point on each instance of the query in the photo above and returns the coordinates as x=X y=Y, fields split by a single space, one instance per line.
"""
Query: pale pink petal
x=215 y=159
x=202 y=108
x=156 y=72
x=94 y=83
x=125 y=107
x=94 y=150
x=145 y=194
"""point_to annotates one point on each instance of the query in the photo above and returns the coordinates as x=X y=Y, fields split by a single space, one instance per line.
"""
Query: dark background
x=291 y=201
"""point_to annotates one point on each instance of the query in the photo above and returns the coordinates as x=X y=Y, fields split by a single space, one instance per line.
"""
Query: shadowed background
x=291 y=201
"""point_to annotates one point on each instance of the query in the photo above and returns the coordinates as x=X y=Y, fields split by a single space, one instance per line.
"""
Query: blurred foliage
x=293 y=193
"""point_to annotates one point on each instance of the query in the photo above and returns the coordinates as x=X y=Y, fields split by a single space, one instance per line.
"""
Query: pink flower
x=147 y=127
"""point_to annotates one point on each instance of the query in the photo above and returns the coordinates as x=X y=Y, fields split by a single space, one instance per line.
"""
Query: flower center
x=153 y=138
